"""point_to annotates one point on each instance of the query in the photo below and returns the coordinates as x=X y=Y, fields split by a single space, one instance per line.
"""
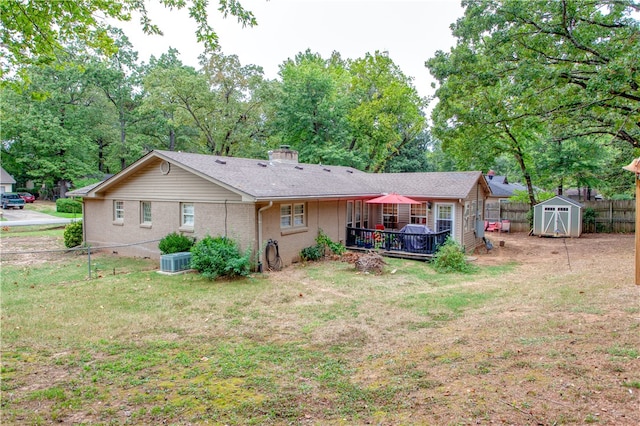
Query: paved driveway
x=16 y=217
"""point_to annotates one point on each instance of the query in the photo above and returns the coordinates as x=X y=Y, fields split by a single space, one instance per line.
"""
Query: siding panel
x=150 y=184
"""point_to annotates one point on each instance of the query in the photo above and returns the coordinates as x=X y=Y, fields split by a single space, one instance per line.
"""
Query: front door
x=444 y=217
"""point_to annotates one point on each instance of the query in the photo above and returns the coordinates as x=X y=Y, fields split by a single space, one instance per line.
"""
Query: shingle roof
x=265 y=180
x=452 y=185
x=6 y=177
x=501 y=188
x=262 y=179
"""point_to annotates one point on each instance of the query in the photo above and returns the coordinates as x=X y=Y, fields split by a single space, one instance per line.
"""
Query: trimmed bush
x=68 y=205
x=73 y=234
x=450 y=257
x=312 y=253
x=219 y=256
x=175 y=243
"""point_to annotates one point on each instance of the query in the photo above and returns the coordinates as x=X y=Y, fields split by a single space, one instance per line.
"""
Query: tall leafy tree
x=164 y=122
x=44 y=127
x=312 y=109
x=388 y=110
x=36 y=32
x=236 y=113
x=526 y=74
x=118 y=77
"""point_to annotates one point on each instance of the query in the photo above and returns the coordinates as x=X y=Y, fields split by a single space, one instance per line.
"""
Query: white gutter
x=260 y=226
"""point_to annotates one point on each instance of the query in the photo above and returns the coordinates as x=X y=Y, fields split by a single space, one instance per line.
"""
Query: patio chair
x=494 y=226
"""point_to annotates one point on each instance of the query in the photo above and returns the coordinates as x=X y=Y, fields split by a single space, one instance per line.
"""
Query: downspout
x=260 y=226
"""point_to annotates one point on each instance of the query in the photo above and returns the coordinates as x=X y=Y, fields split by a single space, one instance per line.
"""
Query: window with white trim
x=187 y=215
x=349 y=214
x=419 y=213
x=298 y=215
x=444 y=217
x=292 y=215
x=358 y=214
x=118 y=211
x=145 y=212
x=390 y=215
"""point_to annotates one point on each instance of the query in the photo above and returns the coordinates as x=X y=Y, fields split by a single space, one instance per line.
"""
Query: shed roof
x=560 y=197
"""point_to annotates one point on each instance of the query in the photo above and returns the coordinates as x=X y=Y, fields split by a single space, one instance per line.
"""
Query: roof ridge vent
x=261 y=164
x=219 y=161
x=349 y=171
x=326 y=170
x=299 y=167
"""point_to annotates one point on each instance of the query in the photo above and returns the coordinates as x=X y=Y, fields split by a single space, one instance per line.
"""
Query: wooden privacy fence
x=611 y=216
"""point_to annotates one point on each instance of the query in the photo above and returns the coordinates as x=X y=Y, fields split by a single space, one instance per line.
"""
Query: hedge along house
x=254 y=201
x=558 y=217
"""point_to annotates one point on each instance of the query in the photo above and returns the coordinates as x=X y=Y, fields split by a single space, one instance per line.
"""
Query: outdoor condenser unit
x=175 y=262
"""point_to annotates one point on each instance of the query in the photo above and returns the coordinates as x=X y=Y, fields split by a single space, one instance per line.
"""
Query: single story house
x=501 y=190
x=254 y=201
x=6 y=181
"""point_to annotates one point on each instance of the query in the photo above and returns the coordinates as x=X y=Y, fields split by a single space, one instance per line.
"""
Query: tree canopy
x=548 y=76
x=37 y=32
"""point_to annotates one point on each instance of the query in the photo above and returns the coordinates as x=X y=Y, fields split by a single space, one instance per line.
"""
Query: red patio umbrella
x=392 y=198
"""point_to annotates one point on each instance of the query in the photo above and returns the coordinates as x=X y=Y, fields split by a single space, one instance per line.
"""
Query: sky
x=411 y=31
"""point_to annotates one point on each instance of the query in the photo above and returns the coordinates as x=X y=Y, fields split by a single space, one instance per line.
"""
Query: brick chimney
x=284 y=155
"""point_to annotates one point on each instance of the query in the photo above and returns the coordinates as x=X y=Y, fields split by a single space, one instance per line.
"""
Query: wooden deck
x=395 y=243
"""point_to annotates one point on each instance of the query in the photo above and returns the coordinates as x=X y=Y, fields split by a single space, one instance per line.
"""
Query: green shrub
x=589 y=219
x=219 y=256
x=68 y=205
x=312 y=253
x=175 y=243
x=323 y=240
x=450 y=257
x=73 y=234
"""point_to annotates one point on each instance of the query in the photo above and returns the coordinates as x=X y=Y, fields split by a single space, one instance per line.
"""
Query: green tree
x=38 y=32
x=118 y=77
x=312 y=107
x=164 y=122
x=236 y=109
x=387 y=112
x=525 y=75
x=44 y=127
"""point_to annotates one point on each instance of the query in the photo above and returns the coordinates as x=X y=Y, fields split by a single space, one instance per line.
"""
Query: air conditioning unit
x=175 y=262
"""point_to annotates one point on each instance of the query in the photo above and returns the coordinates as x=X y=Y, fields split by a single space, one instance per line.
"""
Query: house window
x=298 y=215
x=349 y=214
x=444 y=217
x=358 y=214
x=467 y=216
x=187 y=216
x=118 y=211
x=390 y=215
x=292 y=215
x=419 y=214
x=145 y=212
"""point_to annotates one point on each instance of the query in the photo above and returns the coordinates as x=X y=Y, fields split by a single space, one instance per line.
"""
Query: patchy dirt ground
x=560 y=344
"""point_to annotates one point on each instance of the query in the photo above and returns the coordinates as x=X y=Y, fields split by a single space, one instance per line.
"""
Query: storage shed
x=558 y=217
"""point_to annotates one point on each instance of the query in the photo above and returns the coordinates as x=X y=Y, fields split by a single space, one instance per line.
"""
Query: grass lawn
x=521 y=341
x=49 y=207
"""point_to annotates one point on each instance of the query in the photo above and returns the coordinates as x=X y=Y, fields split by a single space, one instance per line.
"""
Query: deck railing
x=395 y=240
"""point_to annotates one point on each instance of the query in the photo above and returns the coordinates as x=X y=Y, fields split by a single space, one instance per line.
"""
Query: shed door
x=556 y=221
